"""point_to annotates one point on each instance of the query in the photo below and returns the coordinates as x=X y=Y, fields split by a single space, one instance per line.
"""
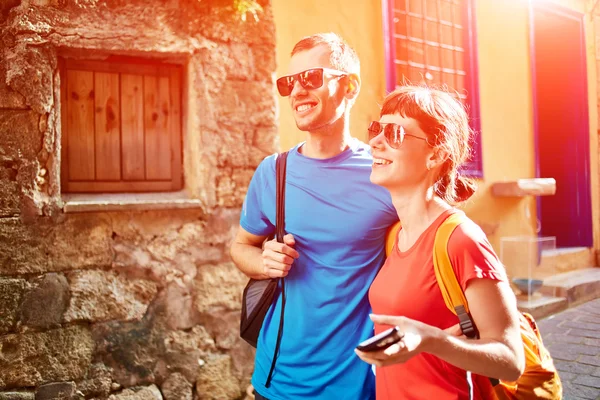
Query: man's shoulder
x=267 y=163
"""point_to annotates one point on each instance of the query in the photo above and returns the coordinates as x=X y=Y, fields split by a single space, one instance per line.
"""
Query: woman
x=418 y=145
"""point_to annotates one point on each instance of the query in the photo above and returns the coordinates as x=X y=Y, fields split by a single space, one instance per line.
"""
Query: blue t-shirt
x=339 y=220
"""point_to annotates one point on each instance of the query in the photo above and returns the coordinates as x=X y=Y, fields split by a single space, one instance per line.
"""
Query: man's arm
x=246 y=252
x=272 y=261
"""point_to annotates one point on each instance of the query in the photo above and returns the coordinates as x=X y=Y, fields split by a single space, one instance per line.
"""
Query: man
x=336 y=222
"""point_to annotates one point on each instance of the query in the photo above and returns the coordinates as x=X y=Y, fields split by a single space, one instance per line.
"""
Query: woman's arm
x=498 y=353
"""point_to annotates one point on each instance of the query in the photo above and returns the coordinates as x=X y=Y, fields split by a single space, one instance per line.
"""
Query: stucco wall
x=360 y=23
x=506 y=117
x=92 y=304
x=504 y=85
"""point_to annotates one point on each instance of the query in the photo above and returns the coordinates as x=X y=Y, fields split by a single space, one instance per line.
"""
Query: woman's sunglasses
x=309 y=79
x=394 y=134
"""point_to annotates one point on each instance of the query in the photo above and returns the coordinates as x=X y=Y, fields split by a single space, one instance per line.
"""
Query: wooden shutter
x=121 y=127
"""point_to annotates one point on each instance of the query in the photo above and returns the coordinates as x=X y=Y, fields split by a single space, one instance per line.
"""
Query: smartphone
x=381 y=341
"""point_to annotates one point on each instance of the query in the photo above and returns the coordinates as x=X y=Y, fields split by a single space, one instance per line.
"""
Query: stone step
x=540 y=306
x=565 y=259
x=576 y=286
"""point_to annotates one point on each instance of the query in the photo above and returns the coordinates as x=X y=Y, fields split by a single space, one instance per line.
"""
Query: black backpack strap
x=280 y=168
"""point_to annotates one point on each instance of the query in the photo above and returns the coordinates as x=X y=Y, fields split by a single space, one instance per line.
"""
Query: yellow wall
x=504 y=85
x=506 y=117
x=357 y=21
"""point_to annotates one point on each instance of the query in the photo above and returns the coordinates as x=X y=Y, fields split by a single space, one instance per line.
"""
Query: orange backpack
x=540 y=379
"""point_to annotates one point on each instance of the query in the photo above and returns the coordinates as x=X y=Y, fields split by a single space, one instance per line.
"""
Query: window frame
x=140 y=67
x=473 y=167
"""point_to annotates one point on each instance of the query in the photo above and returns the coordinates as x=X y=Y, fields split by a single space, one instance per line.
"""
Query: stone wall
x=128 y=304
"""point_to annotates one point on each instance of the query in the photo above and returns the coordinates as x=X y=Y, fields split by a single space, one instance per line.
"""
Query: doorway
x=561 y=122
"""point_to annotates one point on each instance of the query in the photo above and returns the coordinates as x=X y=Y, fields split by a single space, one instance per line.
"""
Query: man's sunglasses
x=394 y=134
x=309 y=79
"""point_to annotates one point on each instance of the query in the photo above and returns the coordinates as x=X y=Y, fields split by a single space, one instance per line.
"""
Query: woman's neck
x=417 y=210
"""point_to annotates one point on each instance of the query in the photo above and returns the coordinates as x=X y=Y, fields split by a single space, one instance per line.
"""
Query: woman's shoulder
x=469 y=241
x=467 y=232
x=472 y=254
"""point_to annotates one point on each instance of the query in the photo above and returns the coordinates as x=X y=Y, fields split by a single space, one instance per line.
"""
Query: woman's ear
x=353 y=86
x=437 y=158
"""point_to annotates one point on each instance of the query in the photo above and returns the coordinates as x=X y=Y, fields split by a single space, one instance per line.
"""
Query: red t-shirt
x=406 y=285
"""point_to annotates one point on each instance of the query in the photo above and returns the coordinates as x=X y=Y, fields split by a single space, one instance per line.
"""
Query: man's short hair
x=342 y=57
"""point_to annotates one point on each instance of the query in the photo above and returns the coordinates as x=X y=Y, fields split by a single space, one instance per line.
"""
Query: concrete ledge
x=525 y=187
x=575 y=286
x=567 y=259
x=540 y=306
x=76 y=203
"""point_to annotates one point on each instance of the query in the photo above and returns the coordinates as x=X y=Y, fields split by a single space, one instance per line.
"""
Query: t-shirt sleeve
x=472 y=255
x=253 y=217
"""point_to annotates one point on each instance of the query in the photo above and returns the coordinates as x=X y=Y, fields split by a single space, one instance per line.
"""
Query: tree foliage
x=245 y=7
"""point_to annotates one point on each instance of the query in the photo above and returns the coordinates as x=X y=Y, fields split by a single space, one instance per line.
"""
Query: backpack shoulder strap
x=390 y=238
x=280 y=172
x=451 y=291
x=453 y=294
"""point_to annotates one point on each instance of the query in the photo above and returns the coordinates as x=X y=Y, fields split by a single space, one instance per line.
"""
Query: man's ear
x=353 y=86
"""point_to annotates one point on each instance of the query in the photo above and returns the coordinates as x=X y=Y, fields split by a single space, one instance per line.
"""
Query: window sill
x=99 y=202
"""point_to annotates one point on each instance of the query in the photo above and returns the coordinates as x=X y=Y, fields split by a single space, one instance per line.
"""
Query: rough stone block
x=20 y=136
x=265 y=53
x=10 y=191
x=246 y=102
x=146 y=393
x=50 y=245
x=242 y=357
x=102 y=296
x=22 y=248
x=232 y=185
x=232 y=149
x=17 y=395
x=174 y=253
x=266 y=139
x=130 y=349
x=81 y=241
x=241 y=62
x=216 y=380
x=29 y=71
x=11 y=292
x=175 y=305
x=44 y=304
x=36 y=358
x=56 y=391
x=224 y=328
x=219 y=288
x=185 y=351
x=97 y=383
x=176 y=387
x=8 y=97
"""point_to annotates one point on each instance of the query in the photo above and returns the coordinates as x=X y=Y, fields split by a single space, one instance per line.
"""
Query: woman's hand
x=418 y=337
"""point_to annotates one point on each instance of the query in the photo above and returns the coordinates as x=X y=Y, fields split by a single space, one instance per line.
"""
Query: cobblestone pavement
x=573 y=338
